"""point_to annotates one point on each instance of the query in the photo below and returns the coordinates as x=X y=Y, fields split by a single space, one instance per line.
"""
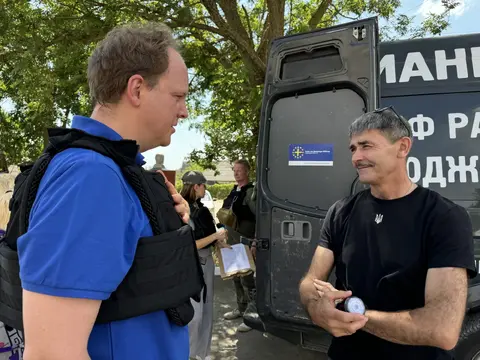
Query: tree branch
x=265 y=39
x=232 y=16
x=276 y=10
x=65 y=119
x=222 y=58
x=177 y=24
x=245 y=46
x=212 y=9
x=272 y=27
x=250 y=31
x=337 y=12
x=319 y=14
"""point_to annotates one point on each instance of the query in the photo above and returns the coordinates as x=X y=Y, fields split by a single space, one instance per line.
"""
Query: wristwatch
x=352 y=305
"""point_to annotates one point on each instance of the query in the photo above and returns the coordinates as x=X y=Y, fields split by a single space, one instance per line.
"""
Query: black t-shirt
x=383 y=250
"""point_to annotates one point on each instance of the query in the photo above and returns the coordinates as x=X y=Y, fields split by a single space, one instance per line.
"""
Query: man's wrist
x=311 y=303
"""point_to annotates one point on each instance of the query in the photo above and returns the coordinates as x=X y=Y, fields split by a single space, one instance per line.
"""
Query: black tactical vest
x=166 y=270
x=245 y=217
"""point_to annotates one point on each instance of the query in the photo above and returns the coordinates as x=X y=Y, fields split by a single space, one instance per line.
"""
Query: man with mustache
x=404 y=250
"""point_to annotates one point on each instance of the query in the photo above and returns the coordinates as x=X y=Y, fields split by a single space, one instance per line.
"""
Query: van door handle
x=296 y=230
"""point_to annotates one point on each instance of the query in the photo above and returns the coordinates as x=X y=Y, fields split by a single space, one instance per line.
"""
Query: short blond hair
x=244 y=163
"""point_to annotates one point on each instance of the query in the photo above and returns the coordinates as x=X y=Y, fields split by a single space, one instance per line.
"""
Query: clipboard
x=248 y=269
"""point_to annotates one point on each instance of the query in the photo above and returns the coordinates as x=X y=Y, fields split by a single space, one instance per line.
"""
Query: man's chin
x=165 y=142
x=367 y=180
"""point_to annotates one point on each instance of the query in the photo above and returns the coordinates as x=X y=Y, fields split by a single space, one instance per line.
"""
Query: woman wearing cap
x=207 y=236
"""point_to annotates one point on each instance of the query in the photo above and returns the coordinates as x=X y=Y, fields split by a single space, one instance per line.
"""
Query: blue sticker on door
x=310 y=155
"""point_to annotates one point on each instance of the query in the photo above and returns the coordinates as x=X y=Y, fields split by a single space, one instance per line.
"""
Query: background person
x=240 y=200
x=207 y=236
x=12 y=339
x=403 y=249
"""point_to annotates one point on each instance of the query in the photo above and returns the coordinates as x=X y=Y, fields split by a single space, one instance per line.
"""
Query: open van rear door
x=322 y=80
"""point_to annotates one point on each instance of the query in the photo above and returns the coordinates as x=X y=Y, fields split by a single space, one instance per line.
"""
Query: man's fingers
x=336 y=295
x=170 y=186
x=171 y=189
x=177 y=198
x=340 y=328
x=180 y=209
x=161 y=172
x=324 y=286
x=346 y=317
x=357 y=325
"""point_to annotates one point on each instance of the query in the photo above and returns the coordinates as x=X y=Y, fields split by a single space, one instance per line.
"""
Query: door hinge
x=360 y=33
x=263 y=244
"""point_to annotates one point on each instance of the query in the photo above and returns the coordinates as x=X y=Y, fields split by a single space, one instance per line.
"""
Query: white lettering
x=434 y=170
x=425 y=126
x=417 y=169
x=438 y=178
x=453 y=125
x=459 y=61
x=476 y=61
x=388 y=64
x=476 y=126
x=415 y=59
x=462 y=168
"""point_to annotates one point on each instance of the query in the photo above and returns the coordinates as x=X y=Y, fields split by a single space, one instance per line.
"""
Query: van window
x=307 y=123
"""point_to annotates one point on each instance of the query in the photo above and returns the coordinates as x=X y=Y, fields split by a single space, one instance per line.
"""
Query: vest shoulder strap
x=122 y=152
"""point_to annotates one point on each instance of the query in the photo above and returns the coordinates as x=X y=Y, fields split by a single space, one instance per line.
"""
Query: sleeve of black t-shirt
x=207 y=221
x=450 y=243
x=326 y=234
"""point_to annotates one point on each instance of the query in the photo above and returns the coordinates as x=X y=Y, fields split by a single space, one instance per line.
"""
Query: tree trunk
x=45 y=138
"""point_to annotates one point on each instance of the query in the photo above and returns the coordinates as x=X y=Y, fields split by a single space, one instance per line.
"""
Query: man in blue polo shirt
x=86 y=219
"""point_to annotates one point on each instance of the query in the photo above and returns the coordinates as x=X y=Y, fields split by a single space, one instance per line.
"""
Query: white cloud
x=436 y=7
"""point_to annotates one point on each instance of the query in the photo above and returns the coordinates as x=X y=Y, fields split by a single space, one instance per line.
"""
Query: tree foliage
x=45 y=45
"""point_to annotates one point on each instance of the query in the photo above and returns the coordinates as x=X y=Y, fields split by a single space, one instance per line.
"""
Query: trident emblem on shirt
x=378 y=218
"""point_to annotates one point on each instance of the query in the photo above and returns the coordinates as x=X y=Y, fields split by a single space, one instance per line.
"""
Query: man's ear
x=134 y=87
x=405 y=145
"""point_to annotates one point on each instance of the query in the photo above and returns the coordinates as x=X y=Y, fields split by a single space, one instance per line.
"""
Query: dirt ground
x=227 y=344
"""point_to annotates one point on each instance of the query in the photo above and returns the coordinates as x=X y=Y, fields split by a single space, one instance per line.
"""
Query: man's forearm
x=31 y=354
x=308 y=293
x=416 y=327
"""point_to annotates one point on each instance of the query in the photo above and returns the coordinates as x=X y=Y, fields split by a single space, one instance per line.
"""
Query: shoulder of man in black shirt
x=450 y=241
x=336 y=217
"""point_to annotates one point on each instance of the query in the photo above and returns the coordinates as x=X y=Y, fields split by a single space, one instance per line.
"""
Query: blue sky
x=462 y=21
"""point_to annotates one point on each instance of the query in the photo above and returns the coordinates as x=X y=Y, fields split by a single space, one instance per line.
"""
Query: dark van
x=317 y=83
